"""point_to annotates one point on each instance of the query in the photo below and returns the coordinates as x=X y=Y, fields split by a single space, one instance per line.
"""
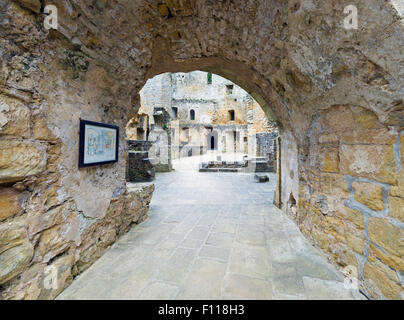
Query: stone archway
x=336 y=94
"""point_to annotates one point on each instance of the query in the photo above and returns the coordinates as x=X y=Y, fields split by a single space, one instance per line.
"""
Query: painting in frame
x=99 y=143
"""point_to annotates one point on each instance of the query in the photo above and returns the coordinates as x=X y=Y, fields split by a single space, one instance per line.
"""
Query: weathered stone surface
x=11 y=235
x=34 y=5
x=39 y=221
x=261 y=178
x=64 y=271
x=351 y=215
x=398 y=190
x=137 y=200
x=15 y=250
x=388 y=288
x=41 y=130
x=29 y=286
x=14 y=118
x=21 y=159
x=392 y=261
x=139 y=168
x=51 y=243
x=371 y=161
x=356 y=243
x=36 y=281
x=386 y=235
x=369 y=194
x=10 y=203
x=129 y=208
x=396 y=208
x=331 y=160
x=14 y=260
x=334 y=184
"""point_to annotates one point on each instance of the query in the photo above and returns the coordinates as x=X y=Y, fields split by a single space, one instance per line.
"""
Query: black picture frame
x=83 y=124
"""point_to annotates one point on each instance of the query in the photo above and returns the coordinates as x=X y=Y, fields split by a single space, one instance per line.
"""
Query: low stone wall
x=139 y=167
x=41 y=247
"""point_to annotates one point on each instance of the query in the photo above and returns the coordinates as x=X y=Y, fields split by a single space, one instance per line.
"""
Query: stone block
x=351 y=215
x=398 y=190
x=41 y=130
x=14 y=260
x=51 y=243
x=334 y=184
x=10 y=203
x=320 y=238
x=331 y=160
x=355 y=243
x=261 y=178
x=373 y=136
x=34 y=5
x=39 y=221
x=337 y=119
x=396 y=208
x=369 y=194
x=12 y=235
x=371 y=161
x=15 y=250
x=388 y=288
x=21 y=159
x=139 y=167
x=387 y=236
x=64 y=266
x=402 y=148
x=14 y=118
x=393 y=261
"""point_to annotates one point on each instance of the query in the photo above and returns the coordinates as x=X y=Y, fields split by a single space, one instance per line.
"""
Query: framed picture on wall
x=99 y=143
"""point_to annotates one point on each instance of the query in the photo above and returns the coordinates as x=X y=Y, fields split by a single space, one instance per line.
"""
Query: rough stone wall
x=52 y=213
x=294 y=57
x=266 y=143
x=352 y=204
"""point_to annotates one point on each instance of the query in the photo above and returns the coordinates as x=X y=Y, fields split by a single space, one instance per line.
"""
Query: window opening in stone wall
x=174 y=112
x=192 y=114
x=209 y=78
x=231 y=115
x=140 y=134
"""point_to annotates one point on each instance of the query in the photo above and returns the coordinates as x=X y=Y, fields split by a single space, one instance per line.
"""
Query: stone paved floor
x=211 y=236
